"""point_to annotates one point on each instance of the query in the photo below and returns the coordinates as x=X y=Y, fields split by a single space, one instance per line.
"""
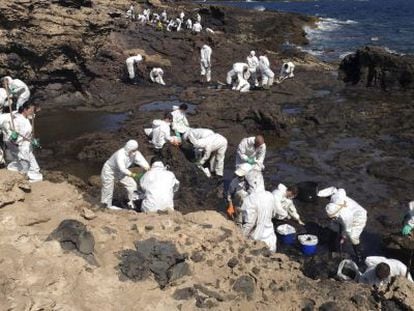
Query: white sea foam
x=345 y=54
x=260 y=8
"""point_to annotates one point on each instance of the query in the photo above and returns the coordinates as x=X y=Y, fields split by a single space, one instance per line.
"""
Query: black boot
x=359 y=254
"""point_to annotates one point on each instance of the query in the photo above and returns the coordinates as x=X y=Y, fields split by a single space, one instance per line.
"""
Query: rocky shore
x=349 y=126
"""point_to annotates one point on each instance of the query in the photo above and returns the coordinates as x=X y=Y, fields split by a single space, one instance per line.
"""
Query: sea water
x=345 y=25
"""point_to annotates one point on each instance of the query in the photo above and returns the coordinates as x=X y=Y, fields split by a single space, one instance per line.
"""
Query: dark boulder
x=376 y=67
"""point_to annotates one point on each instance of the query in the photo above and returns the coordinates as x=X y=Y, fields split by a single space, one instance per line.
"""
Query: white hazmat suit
x=214 y=147
x=397 y=268
x=241 y=73
x=267 y=74
x=189 y=23
x=180 y=123
x=161 y=133
x=197 y=27
x=253 y=63
x=130 y=63
x=19 y=90
x=286 y=71
x=26 y=162
x=159 y=186
x=116 y=169
x=156 y=75
x=257 y=211
x=205 y=61
x=3 y=97
x=284 y=207
x=351 y=215
x=248 y=153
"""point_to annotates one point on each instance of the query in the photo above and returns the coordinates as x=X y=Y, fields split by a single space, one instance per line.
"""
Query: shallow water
x=66 y=125
x=166 y=106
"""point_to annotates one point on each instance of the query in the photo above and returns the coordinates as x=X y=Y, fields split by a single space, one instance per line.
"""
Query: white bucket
x=285 y=229
x=308 y=239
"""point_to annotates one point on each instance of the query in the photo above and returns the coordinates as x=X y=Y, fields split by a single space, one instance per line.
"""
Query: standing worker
x=351 y=217
x=257 y=209
x=3 y=98
x=252 y=150
x=214 y=147
x=159 y=186
x=156 y=75
x=17 y=89
x=197 y=28
x=21 y=137
x=237 y=192
x=180 y=123
x=117 y=168
x=253 y=63
x=131 y=62
x=205 y=62
x=267 y=74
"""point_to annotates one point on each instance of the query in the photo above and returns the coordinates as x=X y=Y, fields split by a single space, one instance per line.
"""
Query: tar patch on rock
x=153 y=257
x=73 y=236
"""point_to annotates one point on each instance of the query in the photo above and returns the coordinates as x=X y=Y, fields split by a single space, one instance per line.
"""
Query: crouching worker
x=380 y=270
x=351 y=217
x=285 y=208
x=159 y=186
x=236 y=193
x=21 y=137
x=116 y=169
x=408 y=220
x=257 y=211
x=156 y=75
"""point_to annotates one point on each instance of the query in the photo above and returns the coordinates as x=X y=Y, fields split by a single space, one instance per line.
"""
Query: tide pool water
x=346 y=25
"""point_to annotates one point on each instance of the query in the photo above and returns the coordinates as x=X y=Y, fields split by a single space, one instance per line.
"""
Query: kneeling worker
x=159 y=186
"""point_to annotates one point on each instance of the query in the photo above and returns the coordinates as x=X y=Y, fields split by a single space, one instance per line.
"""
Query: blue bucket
x=309 y=244
x=287 y=234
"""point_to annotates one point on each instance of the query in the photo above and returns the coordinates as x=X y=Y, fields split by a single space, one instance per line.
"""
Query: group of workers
x=161 y=21
x=252 y=207
x=16 y=129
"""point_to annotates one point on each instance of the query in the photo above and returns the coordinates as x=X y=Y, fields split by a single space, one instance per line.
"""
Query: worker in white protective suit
x=156 y=75
x=380 y=270
x=161 y=132
x=131 y=12
x=180 y=123
x=237 y=191
x=241 y=74
x=182 y=16
x=147 y=13
x=197 y=28
x=257 y=211
x=284 y=206
x=3 y=98
x=116 y=168
x=197 y=133
x=267 y=74
x=251 y=150
x=198 y=18
x=21 y=137
x=205 y=62
x=351 y=216
x=408 y=220
x=131 y=62
x=17 y=89
x=178 y=22
x=141 y=19
x=214 y=147
x=159 y=186
x=164 y=16
x=171 y=25
x=286 y=72
x=9 y=150
x=189 y=24
x=253 y=63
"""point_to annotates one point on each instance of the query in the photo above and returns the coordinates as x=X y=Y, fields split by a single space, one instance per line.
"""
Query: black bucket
x=307 y=191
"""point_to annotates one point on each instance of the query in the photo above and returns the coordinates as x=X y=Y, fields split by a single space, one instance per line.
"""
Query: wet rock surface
x=376 y=67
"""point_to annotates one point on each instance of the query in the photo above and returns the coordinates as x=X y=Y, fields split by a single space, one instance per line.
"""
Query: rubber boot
x=359 y=254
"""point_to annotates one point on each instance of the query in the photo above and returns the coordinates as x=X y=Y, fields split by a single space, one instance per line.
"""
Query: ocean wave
x=345 y=54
